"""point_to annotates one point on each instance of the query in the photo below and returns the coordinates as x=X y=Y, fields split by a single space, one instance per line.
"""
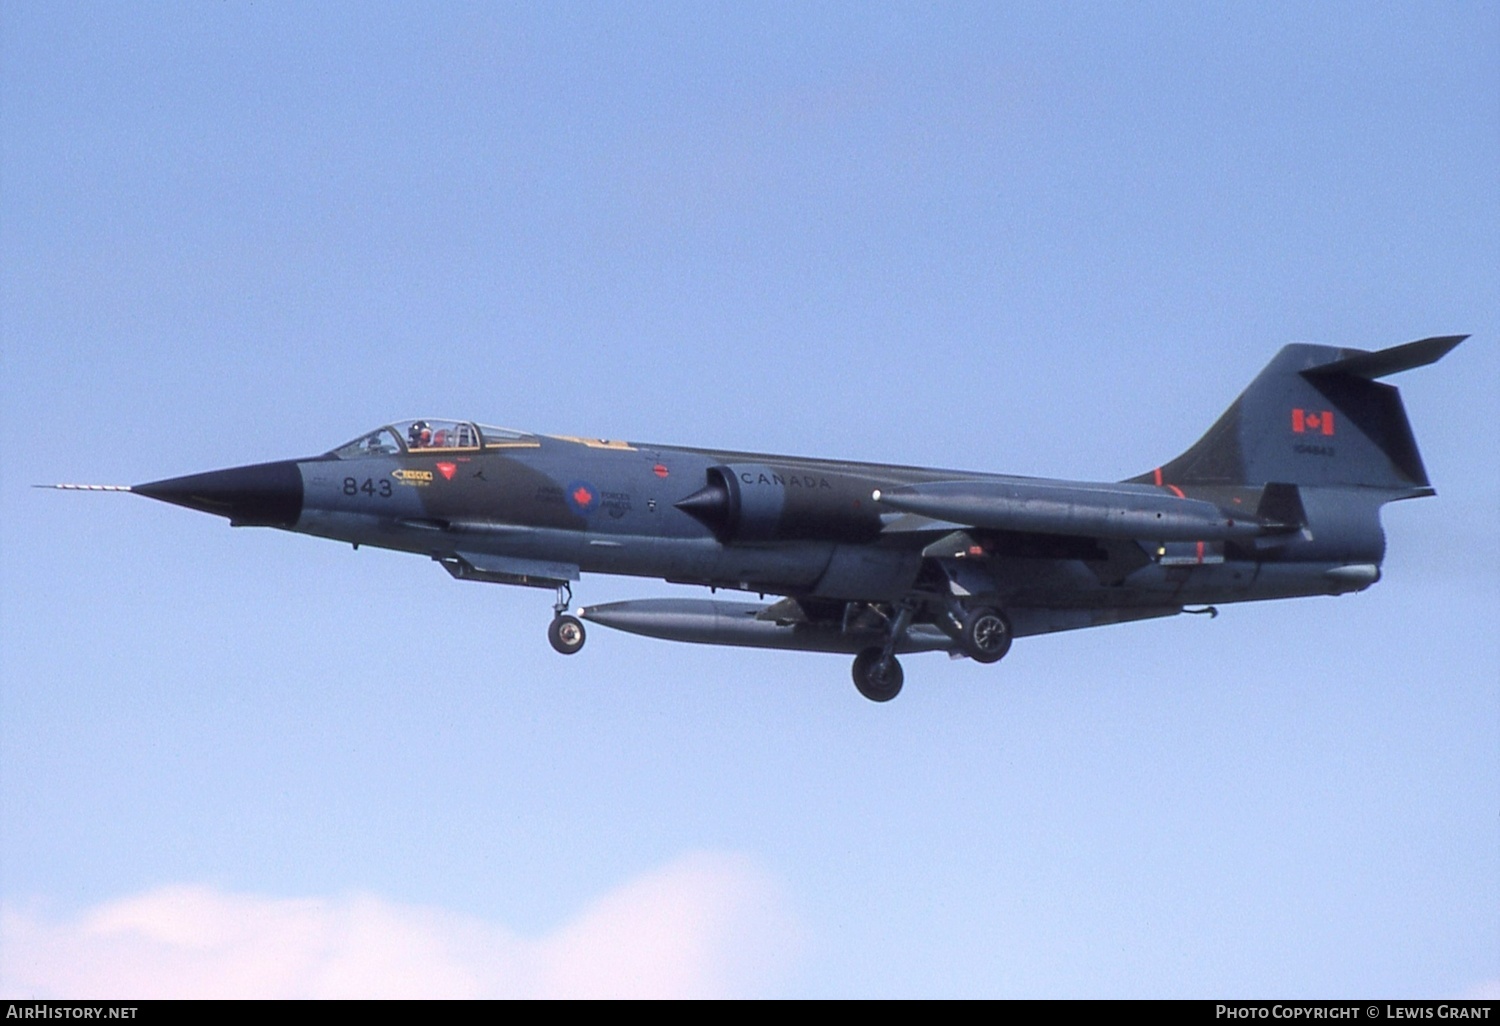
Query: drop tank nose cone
x=669 y=619
x=260 y=495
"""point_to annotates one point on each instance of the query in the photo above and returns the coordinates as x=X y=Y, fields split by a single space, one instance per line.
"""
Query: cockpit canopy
x=432 y=434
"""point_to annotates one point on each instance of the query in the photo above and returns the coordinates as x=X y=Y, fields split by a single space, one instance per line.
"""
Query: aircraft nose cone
x=262 y=495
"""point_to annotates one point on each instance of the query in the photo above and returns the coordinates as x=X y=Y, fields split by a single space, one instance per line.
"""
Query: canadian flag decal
x=1304 y=421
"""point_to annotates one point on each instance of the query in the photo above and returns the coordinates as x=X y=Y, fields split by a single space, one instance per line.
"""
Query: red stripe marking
x=1158 y=476
x=1200 y=552
x=1177 y=491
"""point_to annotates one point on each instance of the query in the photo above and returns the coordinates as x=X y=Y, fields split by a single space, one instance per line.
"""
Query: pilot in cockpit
x=420 y=435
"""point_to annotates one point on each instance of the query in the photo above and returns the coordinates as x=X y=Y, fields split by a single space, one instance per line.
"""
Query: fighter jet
x=1280 y=498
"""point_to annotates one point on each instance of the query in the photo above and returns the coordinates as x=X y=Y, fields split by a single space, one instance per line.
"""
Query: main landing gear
x=878 y=676
x=877 y=673
x=982 y=633
x=985 y=635
x=565 y=632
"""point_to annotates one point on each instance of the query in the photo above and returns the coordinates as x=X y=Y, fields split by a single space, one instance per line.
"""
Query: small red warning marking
x=447 y=470
x=659 y=470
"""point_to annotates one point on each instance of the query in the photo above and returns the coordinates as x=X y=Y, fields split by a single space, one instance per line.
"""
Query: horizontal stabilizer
x=1040 y=507
x=1385 y=362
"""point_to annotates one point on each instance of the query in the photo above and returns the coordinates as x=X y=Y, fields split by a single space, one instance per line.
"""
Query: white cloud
x=706 y=924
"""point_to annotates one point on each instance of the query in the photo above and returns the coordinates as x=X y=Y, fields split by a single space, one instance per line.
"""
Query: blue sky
x=1036 y=239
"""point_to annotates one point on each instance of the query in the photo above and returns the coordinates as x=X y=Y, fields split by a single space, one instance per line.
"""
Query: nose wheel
x=565 y=632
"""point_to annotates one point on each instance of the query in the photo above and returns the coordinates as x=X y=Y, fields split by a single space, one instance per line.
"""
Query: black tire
x=986 y=635
x=877 y=682
x=566 y=634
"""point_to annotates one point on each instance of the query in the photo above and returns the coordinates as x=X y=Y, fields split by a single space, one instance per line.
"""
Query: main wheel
x=566 y=634
x=878 y=680
x=986 y=636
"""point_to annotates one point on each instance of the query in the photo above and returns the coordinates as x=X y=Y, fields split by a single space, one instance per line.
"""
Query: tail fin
x=1316 y=416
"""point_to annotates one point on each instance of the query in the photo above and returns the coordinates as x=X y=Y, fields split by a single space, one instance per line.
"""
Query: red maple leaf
x=1312 y=420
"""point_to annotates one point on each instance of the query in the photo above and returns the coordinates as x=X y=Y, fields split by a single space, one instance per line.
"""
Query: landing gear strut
x=877 y=673
x=565 y=632
x=878 y=677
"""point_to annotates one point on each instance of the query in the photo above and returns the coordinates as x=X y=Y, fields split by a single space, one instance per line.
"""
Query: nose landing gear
x=565 y=632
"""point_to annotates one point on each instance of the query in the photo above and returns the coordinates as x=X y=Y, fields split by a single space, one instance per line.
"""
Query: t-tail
x=1322 y=445
x=1316 y=417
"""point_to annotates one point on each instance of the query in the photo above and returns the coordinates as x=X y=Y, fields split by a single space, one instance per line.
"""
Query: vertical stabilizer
x=1316 y=416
